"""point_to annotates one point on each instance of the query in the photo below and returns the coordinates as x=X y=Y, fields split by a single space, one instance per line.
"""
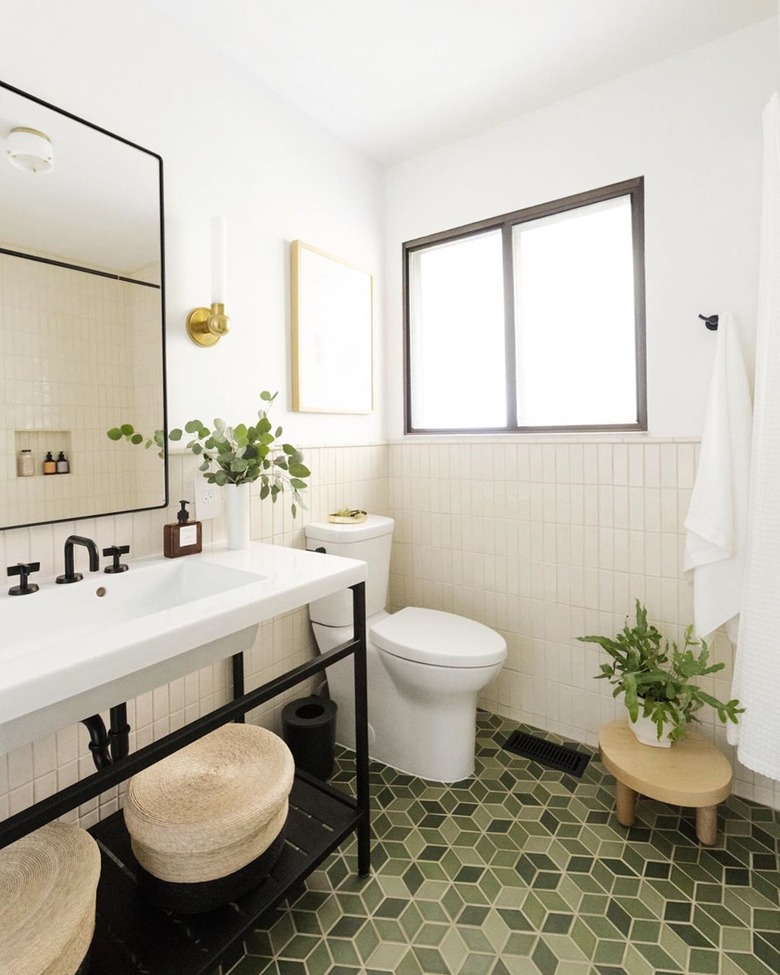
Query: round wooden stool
x=206 y=823
x=48 y=886
x=692 y=772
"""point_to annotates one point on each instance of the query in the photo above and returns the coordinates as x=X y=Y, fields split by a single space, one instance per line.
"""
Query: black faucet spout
x=94 y=558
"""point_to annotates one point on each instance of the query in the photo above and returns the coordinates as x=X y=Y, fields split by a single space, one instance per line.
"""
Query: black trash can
x=309 y=728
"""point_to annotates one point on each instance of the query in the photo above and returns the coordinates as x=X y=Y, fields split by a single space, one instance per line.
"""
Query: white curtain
x=757 y=664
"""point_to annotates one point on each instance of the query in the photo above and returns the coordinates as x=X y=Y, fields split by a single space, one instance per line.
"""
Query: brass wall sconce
x=206 y=326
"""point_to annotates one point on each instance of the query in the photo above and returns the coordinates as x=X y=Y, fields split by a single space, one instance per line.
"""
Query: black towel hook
x=711 y=321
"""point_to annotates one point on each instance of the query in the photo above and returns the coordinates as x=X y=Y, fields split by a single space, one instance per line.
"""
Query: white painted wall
x=228 y=148
x=691 y=125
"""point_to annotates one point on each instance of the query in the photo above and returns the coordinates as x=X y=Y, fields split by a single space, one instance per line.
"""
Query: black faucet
x=94 y=558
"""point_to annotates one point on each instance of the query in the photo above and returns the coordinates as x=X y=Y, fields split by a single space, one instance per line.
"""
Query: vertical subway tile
x=605 y=463
x=652 y=465
x=590 y=463
x=577 y=504
x=535 y=460
x=636 y=465
x=669 y=511
x=620 y=464
x=686 y=471
x=591 y=505
x=636 y=509
x=606 y=505
x=620 y=507
x=670 y=565
x=652 y=552
x=636 y=552
x=652 y=502
x=591 y=546
x=548 y=463
x=576 y=463
x=562 y=458
x=621 y=550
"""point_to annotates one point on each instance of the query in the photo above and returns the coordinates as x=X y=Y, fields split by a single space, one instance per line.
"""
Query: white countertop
x=48 y=683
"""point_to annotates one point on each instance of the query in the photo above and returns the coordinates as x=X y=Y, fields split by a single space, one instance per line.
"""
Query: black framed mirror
x=82 y=316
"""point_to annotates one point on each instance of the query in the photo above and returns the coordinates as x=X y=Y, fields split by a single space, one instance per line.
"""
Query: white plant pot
x=645 y=732
x=237 y=515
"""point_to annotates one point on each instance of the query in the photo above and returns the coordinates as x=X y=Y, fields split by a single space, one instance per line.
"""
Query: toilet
x=425 y=667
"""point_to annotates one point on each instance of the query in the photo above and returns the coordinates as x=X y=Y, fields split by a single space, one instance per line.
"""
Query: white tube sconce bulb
x=206 y=326
x=218 y=260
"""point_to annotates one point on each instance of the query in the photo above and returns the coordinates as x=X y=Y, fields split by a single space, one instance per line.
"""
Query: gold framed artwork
x=332 y=333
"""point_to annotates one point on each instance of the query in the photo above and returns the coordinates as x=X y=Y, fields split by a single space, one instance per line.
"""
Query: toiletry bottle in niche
x=63 y=464
x=49 y=464
x=184 y=537
x=25 y=465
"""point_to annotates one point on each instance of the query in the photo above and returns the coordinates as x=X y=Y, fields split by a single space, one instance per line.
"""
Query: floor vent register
x=547 y=753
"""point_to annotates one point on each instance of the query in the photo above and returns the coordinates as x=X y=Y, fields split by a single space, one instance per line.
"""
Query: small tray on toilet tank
x=346 y=517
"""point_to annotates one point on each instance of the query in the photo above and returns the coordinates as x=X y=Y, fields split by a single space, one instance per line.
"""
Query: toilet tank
x=370 y=541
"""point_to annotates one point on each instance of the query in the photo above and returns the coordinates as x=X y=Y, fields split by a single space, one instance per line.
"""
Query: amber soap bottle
x=184 y=537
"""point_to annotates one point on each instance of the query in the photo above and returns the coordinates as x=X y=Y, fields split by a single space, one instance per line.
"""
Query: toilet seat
x=429 y=636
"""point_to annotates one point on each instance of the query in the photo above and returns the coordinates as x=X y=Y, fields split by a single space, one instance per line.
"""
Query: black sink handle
x=115 y=551
x=23 y=570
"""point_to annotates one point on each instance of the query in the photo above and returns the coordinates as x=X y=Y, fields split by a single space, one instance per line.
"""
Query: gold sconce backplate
x=206 y=326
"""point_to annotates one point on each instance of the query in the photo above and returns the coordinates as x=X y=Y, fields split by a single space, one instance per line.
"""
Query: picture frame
x=332 y=333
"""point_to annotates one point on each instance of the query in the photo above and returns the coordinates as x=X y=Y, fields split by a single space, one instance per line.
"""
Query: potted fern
x=655 y=679
x=235 y=457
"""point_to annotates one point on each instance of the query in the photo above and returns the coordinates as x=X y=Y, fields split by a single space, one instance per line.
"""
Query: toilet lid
x=429 y=636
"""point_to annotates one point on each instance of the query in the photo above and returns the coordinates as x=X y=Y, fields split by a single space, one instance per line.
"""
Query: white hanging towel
x=716 y=525
x=757 y=664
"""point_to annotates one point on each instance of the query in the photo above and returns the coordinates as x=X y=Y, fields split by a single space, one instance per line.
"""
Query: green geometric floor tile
x=522 y=870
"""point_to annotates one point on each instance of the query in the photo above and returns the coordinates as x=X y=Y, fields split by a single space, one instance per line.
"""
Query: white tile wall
x=546 y=541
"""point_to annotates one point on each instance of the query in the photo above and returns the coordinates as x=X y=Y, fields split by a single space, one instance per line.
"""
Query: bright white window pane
x=574 y=307
x=457 y=334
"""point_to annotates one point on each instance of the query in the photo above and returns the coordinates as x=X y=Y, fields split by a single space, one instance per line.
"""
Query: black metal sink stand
x=134 y=936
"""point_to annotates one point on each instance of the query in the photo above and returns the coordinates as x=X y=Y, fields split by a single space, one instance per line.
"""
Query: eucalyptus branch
x=237 y=455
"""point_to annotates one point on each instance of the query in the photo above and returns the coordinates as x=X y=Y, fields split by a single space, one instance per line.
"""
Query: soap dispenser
x=184 y=537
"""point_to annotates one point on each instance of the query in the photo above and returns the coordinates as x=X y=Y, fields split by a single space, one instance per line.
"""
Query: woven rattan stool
x=206 y=823
x=48 y=885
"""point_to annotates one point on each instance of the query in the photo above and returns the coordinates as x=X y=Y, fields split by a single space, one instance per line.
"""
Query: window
x=530 y=321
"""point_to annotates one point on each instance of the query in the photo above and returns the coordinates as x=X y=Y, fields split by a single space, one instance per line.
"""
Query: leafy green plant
x=236 y=455
x=655 y=675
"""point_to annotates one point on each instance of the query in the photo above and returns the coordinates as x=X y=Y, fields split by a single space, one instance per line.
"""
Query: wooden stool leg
x=707 y=824
x=626 y=804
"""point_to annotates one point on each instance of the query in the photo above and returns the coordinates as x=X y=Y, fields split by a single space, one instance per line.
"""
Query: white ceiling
x=396 y=77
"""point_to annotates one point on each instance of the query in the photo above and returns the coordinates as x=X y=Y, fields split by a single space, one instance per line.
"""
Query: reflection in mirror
x=81 y=316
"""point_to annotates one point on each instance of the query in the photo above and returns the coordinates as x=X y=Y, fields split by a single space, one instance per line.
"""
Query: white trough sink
x=86 y=609
x=69 y=651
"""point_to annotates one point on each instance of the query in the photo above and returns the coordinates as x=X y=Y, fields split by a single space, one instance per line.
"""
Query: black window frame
x=633 y=188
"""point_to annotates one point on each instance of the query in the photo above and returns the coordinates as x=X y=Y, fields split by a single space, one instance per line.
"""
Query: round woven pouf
x=48 y=885
x=206 y=823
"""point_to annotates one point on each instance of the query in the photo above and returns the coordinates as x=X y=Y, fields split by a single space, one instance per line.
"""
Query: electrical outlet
x=207 y=501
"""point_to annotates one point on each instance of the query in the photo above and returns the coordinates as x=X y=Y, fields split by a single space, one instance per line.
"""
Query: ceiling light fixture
x=30 y=150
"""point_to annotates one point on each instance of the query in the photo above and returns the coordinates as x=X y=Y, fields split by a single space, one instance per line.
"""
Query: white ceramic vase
x=645 y=732
x=237 y=515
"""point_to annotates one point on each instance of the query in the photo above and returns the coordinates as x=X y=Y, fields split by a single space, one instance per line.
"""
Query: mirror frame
x=163 y=364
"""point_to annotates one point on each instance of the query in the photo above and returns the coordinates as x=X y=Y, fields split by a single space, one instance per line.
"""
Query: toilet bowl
x=425 y=668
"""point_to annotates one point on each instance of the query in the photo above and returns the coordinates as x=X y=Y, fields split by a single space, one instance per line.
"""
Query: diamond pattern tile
x=525 y=871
